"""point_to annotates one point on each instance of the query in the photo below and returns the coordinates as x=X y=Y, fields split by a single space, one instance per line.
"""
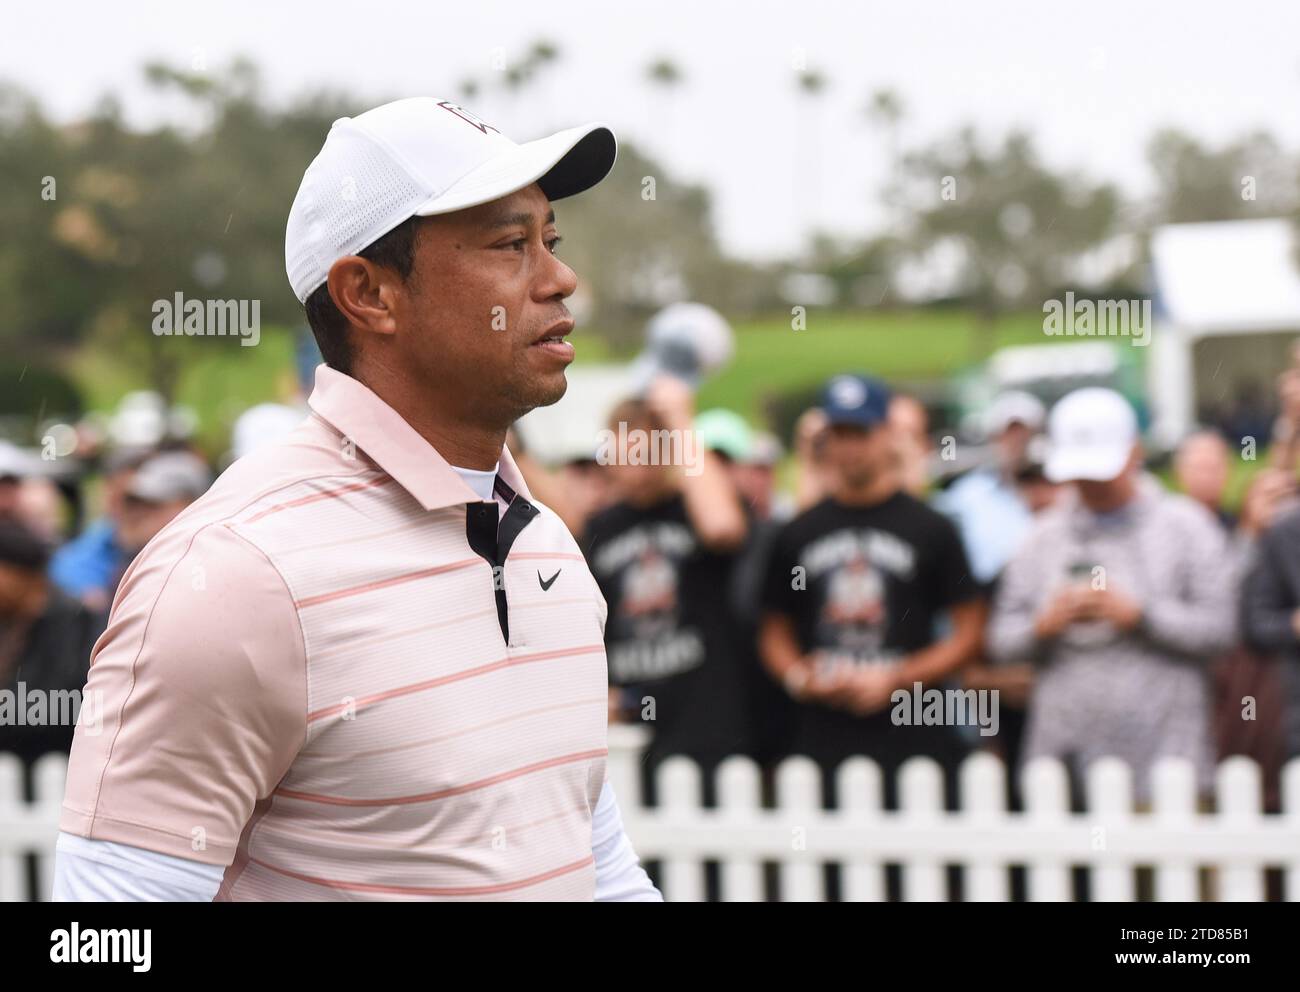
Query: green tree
x=1016 y=226
x=1250 y=177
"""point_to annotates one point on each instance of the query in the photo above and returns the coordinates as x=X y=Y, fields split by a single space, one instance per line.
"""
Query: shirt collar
x=394 y=445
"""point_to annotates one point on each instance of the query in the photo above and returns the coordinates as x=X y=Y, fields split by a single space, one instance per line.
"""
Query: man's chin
x=546 y=391
x=552 y=390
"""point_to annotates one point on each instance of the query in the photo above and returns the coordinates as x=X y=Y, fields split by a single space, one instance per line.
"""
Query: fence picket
x=1240 y=800
x=920 y=792
x=14 y=815
x=1291 y=824
x=860 y=787
x=1047 y=803
x=1109 y=787
x=677 y=785
x=738 y=791
x=799 y=797
x=48 y=778
x=1174 y=814
x=983 y=802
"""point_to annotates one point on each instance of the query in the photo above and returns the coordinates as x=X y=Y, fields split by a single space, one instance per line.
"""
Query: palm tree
x=665 y=78
x=811 y=85
x=885 y=111
x=664 y=72
x=543 y=52
x=542 y=55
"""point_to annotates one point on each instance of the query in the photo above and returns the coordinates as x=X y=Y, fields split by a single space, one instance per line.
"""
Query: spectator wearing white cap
x=1121 y=595
x=986 y=503
x=163 y=486
x=88 y=566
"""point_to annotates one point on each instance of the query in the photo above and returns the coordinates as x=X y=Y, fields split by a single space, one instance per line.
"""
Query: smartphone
x=1080 y=571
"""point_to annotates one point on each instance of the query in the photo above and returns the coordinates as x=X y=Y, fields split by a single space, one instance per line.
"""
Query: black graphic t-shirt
x=670 y=634
x=867 y=585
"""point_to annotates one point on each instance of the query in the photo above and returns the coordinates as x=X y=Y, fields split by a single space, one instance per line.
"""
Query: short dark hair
x=21 y=547
x=635 y=412
x=396 y=251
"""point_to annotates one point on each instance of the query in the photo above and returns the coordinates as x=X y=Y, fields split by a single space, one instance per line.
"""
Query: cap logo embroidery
x=466 y=116
x=849 y=393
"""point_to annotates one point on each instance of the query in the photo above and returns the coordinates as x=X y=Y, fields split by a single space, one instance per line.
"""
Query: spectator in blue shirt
x=88 y=567
x=985 y=504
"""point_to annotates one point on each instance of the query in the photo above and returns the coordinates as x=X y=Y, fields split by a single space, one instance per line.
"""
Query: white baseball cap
x=1015 y=406
x=170 y=476
x=1091 y=433
x=262 y=424
x=418 y=157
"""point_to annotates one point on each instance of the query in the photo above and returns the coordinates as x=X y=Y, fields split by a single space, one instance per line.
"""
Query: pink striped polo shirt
x=340 y=676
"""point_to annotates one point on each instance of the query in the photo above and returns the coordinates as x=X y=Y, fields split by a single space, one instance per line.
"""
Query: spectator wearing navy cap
x=855 y=589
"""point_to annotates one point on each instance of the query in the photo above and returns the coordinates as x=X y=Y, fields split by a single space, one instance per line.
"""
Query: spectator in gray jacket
x=1122 y=593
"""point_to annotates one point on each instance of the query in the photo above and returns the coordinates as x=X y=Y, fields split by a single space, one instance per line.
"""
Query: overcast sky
x=1091 y=80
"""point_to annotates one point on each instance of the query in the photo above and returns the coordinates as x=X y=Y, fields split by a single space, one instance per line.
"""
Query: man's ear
x=364 y=293
x=1137 y=456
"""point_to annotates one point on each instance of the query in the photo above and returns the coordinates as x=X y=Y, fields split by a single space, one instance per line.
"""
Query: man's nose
x=556 y=281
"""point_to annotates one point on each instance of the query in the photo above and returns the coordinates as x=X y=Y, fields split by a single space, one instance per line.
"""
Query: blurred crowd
x=768 y=602
x=70 y=527
x=1109 y=594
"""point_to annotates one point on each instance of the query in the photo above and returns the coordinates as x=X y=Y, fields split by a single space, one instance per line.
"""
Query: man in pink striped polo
x=366 y=665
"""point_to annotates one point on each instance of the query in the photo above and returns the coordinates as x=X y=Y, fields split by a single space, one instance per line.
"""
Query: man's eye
x=519 y=244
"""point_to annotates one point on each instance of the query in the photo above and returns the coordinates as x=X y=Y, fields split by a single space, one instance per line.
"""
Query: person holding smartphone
x=1122 y=594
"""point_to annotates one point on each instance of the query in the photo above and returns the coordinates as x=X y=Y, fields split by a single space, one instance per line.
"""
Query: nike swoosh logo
x=547 y=583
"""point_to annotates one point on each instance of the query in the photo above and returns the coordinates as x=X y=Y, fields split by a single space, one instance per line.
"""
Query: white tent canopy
x=1212 y=280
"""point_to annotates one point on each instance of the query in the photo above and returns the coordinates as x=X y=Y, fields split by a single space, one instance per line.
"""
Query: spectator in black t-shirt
x=663 y=555
x=45 y=642
x=749 y=458
x=855 y=590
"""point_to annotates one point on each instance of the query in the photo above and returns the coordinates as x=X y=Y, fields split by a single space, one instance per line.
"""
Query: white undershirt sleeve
x=619 y=875
x=104 y=871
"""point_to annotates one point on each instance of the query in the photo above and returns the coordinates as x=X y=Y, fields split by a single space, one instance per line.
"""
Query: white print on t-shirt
x=649 y=585
x=671 y=539
x=645 y=661
x=880 y=548
x=855 y=594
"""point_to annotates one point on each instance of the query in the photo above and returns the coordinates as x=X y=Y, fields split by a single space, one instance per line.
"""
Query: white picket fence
x=1175 y=838
x=1238 y=841
x=29 y=828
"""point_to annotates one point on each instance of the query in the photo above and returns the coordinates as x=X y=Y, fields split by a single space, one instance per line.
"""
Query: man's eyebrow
x=522 y=219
